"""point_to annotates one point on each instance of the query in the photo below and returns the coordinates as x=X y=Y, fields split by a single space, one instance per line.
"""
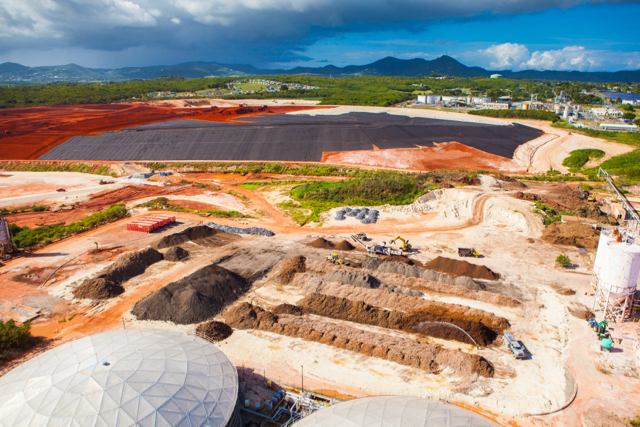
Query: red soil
x=448 y=155
x=189 y=204
x=34 y=131
x=98 y=203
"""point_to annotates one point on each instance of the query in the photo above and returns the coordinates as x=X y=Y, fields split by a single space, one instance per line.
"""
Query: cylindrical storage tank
x=557 y=108
x=565 y=115
x=620 y=276
x=478 y=100
x=603 y=254
x=422 y=99
x=432 y=99
x=449 y=98
x=525 y=106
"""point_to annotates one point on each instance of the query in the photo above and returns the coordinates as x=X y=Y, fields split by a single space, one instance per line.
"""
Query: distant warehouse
x=618 y=126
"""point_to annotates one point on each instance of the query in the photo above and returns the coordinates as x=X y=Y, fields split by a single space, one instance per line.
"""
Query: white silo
x=478 y=100
x=432 y=99
x=449 y=98
x=422 y=99
x=615 y=275
x=557 y=108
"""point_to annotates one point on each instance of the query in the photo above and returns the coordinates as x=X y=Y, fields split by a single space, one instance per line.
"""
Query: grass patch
x=162 y=203
x=549 y=213
x=7 y=210
x=251 y=86
x=625 y=165
x=25 y=237
x=312 y=199
x=517 y=114
x=56 y=167
x=578 y=158
x=267 y=168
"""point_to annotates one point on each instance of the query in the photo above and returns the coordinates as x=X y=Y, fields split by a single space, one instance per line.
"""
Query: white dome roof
x=139 y=377
x=386 y=411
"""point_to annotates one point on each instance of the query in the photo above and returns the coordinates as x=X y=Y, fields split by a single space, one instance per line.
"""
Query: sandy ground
x=20 y=188
x=180 y=103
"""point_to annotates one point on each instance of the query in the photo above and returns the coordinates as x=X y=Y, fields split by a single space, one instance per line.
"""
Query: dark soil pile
x=414 y=321
x=108 y=283
x=194 y=298
x=290 y=268
x=201 y=235
x=456 y=268
x=354 y=278
x=399 y=258
x=571 y=234
x=321 y=243
x=399 y=350
x=176 y=254
x=580 y=311
x=215 y=330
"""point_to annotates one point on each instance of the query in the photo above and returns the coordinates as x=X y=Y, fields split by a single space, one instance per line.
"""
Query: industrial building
x=384 y=411
x=141 y=377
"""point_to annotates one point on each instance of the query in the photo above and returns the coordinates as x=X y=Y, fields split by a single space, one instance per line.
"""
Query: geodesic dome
x=141 y=377
x=388 y=411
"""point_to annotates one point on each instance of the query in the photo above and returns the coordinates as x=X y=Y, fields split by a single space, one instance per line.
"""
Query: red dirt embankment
x=447 y=155
x=34 y=131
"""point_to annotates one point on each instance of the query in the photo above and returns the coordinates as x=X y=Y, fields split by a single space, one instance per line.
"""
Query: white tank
x=557 y=108
x=422 y=99
x=478 y=100
x=525 y=106
x=432 y=99
x=617 y=265
x=449 y=98
x=565 y=115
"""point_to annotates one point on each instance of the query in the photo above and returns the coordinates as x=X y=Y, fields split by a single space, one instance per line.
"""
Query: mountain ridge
x=11 y=72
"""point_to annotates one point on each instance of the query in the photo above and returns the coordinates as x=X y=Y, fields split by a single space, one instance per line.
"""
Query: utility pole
x=302 y=375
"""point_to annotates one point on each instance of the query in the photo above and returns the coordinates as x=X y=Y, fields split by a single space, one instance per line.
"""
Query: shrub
x=563 y=260
x=628 y=116
x=579 y=158
x=13 y=336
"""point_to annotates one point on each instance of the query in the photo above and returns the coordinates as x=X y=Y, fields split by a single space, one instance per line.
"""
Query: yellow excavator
x=406 y=246
x=333 y=259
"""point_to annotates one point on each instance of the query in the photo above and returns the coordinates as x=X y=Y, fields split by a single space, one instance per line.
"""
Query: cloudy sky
x=597 y=35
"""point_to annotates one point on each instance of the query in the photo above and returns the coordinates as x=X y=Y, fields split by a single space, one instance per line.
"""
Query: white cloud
x=516 y=57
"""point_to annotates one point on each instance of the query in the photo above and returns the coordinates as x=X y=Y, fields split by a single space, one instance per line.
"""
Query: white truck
x=514 y=346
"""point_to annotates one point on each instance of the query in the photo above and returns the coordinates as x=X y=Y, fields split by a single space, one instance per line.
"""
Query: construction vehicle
x=406 y=246
x=361 y=236
x=586 y=194
x=465 y=252
x=606 y=344
x=334 y=259
x=379 y=248
x=514 y=346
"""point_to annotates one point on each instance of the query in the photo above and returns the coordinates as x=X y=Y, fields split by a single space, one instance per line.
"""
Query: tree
x=627 y=107
x=284 y=87
x=628 y=116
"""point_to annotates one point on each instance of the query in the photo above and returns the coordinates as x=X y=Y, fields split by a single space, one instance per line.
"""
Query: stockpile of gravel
x=194 y=298
x=237 y=230
x=365 y=215
x=176 y=254
x=201 y=235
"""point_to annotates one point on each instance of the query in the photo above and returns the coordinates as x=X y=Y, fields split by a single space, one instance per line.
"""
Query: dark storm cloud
x=261 y=30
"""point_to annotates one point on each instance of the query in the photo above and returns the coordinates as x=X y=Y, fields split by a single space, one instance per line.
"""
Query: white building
x=606 y=111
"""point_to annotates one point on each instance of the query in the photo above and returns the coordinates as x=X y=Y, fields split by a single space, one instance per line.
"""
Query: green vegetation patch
x=517 y=114
x=25 y=237
x=7 y=210
x=254 y=185
x=162 y=203
x=578 y=158
x=626 y=165
x=95 y=169
x=383 y=187
x=251 y=86
x=266 y=168
x=14 y=337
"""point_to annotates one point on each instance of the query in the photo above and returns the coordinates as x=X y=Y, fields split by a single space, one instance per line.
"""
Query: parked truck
x=514 y=346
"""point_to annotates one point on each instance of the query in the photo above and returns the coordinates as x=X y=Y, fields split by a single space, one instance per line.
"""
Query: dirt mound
x=290 y=268
x=354 y=278
x=252 y=264
x=397 y=301
x=571 y=234
x=419 y=321
x=457 y=268
x=580 y=311
x=194 y=298
x=176 y=254
x=108 y=283
x=200 y=234
x=395 y=349
x=217 y=331
x=321 y=243
x=417 y=272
